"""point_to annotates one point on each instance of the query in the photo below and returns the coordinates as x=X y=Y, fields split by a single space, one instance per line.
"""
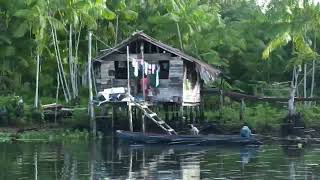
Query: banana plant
x=293 y=21
x=34 y=15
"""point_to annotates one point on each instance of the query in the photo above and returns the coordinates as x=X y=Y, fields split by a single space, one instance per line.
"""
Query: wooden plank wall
x=170 y=90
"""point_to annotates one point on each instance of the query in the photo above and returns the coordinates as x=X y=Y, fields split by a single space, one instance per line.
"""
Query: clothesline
x=149 y=68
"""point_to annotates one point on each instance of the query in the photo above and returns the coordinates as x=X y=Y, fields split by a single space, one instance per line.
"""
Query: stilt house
x=159 y=73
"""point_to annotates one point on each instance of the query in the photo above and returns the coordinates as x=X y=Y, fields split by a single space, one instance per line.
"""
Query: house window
x=97 y=70
x=164 y=69
x=120 y=69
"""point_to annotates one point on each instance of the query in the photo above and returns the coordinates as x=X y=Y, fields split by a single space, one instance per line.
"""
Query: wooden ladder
x=155 y=118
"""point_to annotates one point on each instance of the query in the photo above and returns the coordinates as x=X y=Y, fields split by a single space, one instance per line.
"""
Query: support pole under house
x=91 y=108
x=129 y=91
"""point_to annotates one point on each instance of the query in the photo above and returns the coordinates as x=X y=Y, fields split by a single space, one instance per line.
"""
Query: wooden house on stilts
x=159 y=73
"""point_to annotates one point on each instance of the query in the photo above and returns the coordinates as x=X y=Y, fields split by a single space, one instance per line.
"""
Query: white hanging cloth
x=153 y=69
x=146 y=68
x=157 y=76
x=135 y=65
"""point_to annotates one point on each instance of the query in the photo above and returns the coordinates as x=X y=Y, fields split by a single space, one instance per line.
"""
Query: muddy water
x=109 y=159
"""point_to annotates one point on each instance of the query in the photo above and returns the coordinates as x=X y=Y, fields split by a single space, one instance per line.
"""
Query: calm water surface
x=108 y=159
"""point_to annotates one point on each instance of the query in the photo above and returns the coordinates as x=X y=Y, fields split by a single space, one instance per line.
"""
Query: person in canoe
x=194 y=130
x=245 y=131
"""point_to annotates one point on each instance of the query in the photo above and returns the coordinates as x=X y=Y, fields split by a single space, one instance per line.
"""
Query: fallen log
x=239 y=96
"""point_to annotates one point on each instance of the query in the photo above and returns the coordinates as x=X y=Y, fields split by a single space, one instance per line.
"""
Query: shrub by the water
x=262 y=118
x=79 y=119
x=310 y=115
x=10 y=110
x=54 y=135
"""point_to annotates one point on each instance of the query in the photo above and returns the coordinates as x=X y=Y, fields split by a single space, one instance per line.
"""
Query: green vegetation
x=259 y=47
x=53 y=135
x=261 y=117
x=47 y=135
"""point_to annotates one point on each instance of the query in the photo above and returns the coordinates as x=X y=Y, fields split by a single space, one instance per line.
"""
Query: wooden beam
x=129 y=92
x=147 y=57
x=238 y=96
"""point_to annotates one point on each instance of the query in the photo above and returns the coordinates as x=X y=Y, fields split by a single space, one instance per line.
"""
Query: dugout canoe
x=213 y=139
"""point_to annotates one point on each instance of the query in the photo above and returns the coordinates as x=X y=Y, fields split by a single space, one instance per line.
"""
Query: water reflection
x=109 y=159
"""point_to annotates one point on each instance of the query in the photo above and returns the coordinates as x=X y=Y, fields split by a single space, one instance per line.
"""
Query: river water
x=109 y=159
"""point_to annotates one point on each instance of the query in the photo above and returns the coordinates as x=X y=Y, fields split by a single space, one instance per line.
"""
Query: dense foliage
x=256 y=45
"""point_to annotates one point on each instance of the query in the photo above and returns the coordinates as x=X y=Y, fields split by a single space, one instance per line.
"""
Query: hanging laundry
x=146 y=68
x=144 y=83
x=157 y=75
x=149 y=68
x=153 y=69
x=140 y=65
x=135 y=65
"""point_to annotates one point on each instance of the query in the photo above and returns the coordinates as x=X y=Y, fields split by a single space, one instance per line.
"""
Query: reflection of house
x=173 y=76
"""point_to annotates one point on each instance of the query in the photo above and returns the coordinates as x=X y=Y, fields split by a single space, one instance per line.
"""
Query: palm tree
x=292 y=22
x=35 y=18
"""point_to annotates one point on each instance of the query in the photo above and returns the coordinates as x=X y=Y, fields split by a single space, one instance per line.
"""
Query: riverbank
x=262 y=118
x=44 y=134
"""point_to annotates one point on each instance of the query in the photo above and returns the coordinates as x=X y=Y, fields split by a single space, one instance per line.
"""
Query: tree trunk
x=294 y=83
x=91 y=109
x=58 y=64
x=57 y=98
x=313 y=69
x=117 y=27
x=36 y=100
x=71 y=64
x=61 y=66
x=179 y=34
x=77 y=40
x=305 y=82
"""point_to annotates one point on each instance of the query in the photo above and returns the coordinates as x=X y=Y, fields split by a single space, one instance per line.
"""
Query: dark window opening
x=120 y=69
x=164 y=70
x=97 y=70
x=191 y=74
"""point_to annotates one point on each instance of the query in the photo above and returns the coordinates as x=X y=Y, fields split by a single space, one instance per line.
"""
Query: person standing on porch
x=144 y=84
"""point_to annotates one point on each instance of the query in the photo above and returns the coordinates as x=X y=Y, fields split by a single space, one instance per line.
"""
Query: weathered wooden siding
x=171 y=89
x=191 y=92
x=106 y=75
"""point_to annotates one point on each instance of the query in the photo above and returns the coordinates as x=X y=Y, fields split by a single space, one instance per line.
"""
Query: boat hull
x=138 y=137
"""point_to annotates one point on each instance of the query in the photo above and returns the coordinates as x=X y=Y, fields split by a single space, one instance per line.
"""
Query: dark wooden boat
x=149 y=138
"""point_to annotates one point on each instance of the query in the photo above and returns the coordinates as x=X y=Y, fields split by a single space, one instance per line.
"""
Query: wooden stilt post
x=112 y=117
x=91 y=108
x=57 y=98
x=143 y=124
x=166 y=112
x=192 y=118
x=221 y=104
x=182 y=115
x=176 y=109
x=129 y=93
x=36 y=101
x=135 y=114
x=187 y=118
x=202 y=109
x=197 y=114
x=172 y=112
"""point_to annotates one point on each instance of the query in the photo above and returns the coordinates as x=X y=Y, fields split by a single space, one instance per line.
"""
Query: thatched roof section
x=207 y=72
